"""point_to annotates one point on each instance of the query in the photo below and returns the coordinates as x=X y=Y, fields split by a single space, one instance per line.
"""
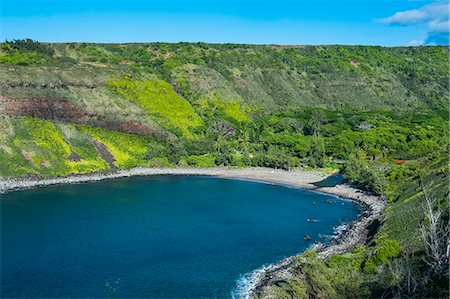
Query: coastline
x=354 y=233
x=299 y=179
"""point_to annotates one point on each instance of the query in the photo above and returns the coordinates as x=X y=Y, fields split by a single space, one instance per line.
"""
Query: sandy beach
x=354 y=233
x=301 y=179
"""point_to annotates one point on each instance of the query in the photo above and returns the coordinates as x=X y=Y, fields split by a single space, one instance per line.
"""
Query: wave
x=247 y=282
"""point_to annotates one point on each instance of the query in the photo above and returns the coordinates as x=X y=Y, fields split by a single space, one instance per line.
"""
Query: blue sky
x=366 y=22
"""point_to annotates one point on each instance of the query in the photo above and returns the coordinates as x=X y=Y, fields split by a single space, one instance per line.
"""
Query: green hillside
x=217 y=104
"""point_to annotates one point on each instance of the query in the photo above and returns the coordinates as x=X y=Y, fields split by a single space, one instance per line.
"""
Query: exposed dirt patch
x=74 y=157
x=44 y=108
x=133 y=126
x=13 y=84
x=355 y=63
x=105 y=154
x=66 y=111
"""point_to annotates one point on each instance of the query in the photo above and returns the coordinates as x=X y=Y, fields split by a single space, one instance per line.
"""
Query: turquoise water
x=162 y=236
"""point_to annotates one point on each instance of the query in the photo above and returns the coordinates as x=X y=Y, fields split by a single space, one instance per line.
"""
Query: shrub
x=358 y=170
x=200 y=161
x=29 y=45
x=18 y=58
x=382 y=255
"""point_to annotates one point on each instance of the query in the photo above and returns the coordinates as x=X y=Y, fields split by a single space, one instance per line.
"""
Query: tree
x=175 y=151
x=223 y=153
x=30 y=45
x=317 y=152
x=364 y=174
x=436 y=236
x=316 y=121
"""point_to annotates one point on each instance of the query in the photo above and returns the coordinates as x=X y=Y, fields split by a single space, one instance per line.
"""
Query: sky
x=300 y=22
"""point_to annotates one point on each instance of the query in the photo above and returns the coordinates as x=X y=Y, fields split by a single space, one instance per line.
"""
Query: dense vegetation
x=380 y=115
x=396 y=262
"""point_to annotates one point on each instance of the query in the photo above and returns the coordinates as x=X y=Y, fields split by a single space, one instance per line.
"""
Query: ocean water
x=155 y=237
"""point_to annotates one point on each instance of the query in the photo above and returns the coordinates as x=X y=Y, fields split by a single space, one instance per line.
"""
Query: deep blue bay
x=161 y=236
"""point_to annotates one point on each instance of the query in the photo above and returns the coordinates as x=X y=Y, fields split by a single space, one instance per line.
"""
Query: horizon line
x=225 y=43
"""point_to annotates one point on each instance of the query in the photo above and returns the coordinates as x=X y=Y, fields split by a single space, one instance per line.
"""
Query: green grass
x=128 y=150
x=407 y=210
x=81 y=145
x=37 y=146
x=161 y=101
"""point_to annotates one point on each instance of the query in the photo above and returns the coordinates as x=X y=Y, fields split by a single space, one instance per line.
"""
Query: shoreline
x=356 y=232
x=257 y=280
x=298 y=179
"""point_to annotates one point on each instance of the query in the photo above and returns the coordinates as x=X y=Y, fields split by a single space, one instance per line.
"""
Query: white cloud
x=434 y=16
x=408 y=17
x=439 y=26
x=416 y=42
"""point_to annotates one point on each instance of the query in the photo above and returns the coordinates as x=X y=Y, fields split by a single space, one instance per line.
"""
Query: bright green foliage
x=128 y=150
x=25 y=52
x=13 y=162
x=200 y=161
x=348 y=262
x=42 y=145
x=239 y=160
x=81 y=145
x=19 y=58
x=365 y=175
x=230 y=109
x=38 y=146
x=159 y=99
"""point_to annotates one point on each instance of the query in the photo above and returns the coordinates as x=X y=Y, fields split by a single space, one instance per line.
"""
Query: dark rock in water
x=329 y=201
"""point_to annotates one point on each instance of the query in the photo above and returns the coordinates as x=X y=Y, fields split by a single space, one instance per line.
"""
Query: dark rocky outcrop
x=65 y=111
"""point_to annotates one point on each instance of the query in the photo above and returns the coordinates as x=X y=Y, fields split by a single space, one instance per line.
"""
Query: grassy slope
x=183 y=89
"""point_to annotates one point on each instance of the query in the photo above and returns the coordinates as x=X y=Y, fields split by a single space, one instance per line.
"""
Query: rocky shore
x=356 y=232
